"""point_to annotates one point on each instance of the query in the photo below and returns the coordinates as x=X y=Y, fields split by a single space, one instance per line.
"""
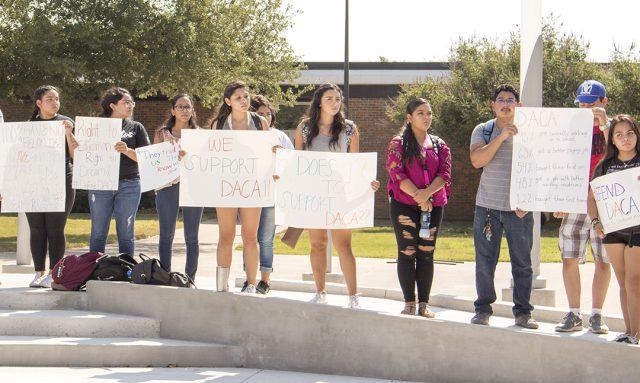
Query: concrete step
x=76 y=323
x=115 y=352
x=24 y=298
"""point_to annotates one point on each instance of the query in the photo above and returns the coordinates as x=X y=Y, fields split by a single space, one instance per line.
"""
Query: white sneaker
x=46 y=281
x=319 y=298
x=36 y=279
x=250 y=289
x=354 y=302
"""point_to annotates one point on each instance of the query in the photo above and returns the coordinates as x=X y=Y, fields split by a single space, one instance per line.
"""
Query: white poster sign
x=227 y=168
x=618 y=199
x=322 y=190
x=551 y=157
x=96 y=163
x=158 y=165
x=32 y=166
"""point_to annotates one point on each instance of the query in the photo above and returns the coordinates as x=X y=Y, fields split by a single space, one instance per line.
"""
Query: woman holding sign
x=47 y=229
x=419 y=166
x=122 y=203
x=622 y=246
x=234 y=115
x=183 y=116
x=325 y=129
x=267 y=227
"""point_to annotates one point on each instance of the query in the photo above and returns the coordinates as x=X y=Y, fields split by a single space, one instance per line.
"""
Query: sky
x=423 y=30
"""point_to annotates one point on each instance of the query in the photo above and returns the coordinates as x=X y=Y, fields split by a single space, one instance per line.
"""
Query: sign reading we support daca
x=323 y=190
x=617 y=196
x=32 y=167
x=551 y=157
x=227 y=168
x=96 y=163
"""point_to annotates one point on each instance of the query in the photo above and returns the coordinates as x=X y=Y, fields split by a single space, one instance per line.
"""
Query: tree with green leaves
x=151 y=47
x=479 y=65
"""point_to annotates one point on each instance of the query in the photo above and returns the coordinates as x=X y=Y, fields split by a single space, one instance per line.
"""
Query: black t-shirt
x=135 y=136
x=68 y=161
x=615 y=165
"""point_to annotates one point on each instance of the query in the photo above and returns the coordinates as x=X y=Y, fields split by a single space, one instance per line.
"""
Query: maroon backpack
x=73 y=271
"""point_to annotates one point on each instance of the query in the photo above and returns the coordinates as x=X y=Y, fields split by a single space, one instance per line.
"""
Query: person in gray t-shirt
x=491 y=149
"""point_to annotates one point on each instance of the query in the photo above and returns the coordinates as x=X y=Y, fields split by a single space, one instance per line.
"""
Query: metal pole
x=531 y=60
x=346 y=58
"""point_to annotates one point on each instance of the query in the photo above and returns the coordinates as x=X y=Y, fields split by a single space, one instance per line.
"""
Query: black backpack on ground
x=151 y=272
x=114 y=268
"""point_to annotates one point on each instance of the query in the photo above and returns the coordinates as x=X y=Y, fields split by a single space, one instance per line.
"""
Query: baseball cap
x=590 y=91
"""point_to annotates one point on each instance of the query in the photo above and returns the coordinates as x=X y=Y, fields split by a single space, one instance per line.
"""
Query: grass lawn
x=78 y=229
x=455 y=243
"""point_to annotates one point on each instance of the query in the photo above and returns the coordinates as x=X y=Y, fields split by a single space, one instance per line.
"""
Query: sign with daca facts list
x=551 y=158
x=158 y=165
x=324 y=190
x=32 y=167
x=617 y=196
x=227 y=168
x=96 y=163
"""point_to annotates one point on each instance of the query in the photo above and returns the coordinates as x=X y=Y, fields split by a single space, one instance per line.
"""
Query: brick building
x=372 y=85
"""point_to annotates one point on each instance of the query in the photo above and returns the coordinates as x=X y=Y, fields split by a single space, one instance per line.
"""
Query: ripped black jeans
x=415 y=255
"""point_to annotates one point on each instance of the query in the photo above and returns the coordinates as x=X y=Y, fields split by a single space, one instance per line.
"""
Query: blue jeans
x=519 y=232
x=121 y=204
x=167 y=206
x=266 y=235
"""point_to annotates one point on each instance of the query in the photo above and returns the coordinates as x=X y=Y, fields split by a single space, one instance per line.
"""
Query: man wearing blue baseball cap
x=576 y=230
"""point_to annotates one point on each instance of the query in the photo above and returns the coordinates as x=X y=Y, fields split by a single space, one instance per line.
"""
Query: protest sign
x=551 y=157
x=227 y=168
x=158 y=165
x=96 y=163
x=32 y=166
x=617 y=196
x=324 y=190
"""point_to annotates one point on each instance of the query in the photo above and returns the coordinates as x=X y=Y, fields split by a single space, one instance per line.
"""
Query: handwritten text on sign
x=227 y=168
x=551 y=156
x=96 y=163
x=158 y=165
x=618 y=199
x=321 y=190
x=32 y=169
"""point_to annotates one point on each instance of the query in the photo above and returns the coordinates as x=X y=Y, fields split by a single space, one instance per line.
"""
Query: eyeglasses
x=128 y=102
x=628 y=135
x=183 y=108
x=508 y=101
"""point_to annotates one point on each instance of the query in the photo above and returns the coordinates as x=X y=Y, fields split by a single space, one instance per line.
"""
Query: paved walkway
x=451 y=279
x=165 y=375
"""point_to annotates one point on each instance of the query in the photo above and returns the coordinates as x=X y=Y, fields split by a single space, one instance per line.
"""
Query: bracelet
x=595 y=222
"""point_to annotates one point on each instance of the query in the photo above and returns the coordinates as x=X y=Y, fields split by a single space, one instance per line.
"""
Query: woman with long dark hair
x=622 y=246
x=267 y=227
x=234 y=115
x=419 y=166
x=122 y=203
x=325 y=129
x=47 y=229
x=183 y=116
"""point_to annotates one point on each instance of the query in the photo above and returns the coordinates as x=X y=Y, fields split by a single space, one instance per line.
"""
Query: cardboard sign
x=158 y=165
x=617 y=196
x=96 y=163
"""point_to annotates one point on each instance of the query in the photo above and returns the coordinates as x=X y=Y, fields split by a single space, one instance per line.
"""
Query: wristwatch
x=605 y=126
x=594 y=222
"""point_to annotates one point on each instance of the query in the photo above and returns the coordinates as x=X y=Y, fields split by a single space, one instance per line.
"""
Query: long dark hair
x=225 y=110
x=612 y=151
x=171 y=120
x=411 y=150
x=313 y=116
x=37 y=95
x=111 y=96
x=259 y=101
